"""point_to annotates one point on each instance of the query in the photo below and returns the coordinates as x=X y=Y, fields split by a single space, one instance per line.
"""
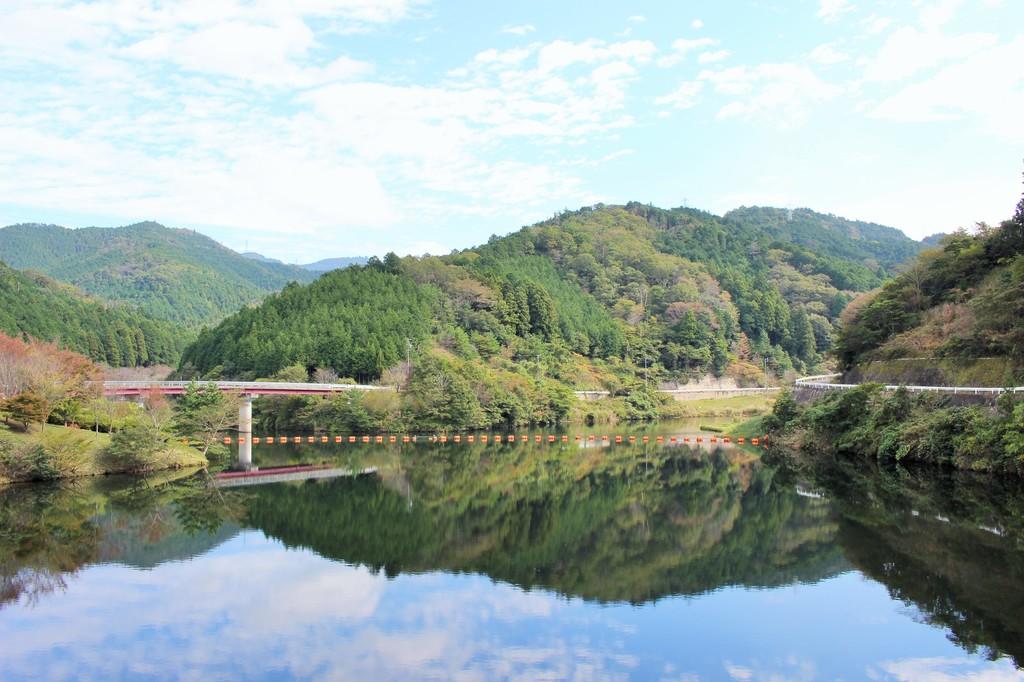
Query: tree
x=134 y=448
x=205 y=413
x=27 y=407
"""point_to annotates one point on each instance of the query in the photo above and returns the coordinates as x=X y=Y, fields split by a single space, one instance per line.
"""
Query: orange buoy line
x=486 y=438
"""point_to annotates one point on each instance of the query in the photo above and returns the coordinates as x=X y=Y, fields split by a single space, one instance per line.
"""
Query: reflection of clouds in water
x=947 y=670
x=255 y=613
x=790 y=668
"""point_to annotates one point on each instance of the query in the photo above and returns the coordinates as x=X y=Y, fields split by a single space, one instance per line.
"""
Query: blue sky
x=319 y=128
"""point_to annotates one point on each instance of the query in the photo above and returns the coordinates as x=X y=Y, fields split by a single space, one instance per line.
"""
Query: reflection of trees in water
x=610 y=526
x=45 y=534
x=950 y=545
x=49 y=532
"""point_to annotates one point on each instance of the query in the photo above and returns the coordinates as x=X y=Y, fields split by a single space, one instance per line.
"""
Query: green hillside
x=43 y=309
x=171 y=274
x=603 y=297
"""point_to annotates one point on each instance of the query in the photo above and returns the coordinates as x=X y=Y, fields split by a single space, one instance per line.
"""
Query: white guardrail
x=819 y=383
x=253 y=386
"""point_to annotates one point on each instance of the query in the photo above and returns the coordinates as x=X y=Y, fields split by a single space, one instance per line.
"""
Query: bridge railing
x=821 y=382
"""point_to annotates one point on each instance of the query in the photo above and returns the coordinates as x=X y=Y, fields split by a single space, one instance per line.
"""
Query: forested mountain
x=171 y=274
x=118 y=335
x=599 y=297
x=963 y=300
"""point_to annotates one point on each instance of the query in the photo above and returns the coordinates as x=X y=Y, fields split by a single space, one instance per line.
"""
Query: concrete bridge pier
x=245 y=434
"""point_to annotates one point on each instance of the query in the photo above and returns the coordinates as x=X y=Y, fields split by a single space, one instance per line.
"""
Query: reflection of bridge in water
x=235 y=479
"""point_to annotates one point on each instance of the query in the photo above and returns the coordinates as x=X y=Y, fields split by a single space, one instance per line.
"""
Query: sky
x=306 y=129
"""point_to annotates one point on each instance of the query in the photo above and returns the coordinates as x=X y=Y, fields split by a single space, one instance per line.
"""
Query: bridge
x=247 y=388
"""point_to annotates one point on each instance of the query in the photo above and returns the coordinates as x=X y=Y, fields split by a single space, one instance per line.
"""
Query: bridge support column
x=245 y=433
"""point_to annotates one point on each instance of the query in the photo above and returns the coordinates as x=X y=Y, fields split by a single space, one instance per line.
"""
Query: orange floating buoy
x=604 y=438
x=457 y=439
x=579 y=438
x=699 y=439
x=444 y=439
x=536 y=439
x=483 y=438
x=511 y=438
x=659 y=439
x=470 y=438
x=551 y=439
x=632 y=439
x=392 y=439
x=646 y=439
x=310 y=439
x=755 y=441
x=686 y=439
x=297 y=439
x=714 y=439
x=741 y=440
x=378 y=439
x=256 y=440
x=324 y=439
x=618 y=439
x=590 y=437
x=337 y=439
x=405 y=439
x=365 y=439
x=227 y=440
x=351 y=439
x=672 y=439
x=725 y=439
x=565 y=439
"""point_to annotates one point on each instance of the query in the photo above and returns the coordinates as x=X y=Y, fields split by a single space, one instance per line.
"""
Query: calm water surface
x=518 y=561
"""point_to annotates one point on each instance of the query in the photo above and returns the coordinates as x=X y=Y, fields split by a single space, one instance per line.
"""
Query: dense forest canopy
x=606 y=290
x=39 y=308
x=170 y=274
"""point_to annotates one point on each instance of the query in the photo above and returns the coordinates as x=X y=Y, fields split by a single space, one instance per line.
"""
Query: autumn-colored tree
x=27 y=407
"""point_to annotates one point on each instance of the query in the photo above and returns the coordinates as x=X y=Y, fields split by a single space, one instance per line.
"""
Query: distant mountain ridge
x=328 y=264
x=323 y=265
x=172 y=274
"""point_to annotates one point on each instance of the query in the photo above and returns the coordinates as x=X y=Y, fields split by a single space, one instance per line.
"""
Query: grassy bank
x=63 y=452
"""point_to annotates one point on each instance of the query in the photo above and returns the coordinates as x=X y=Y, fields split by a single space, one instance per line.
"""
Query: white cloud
x=682 y=47
x=937 y=13
x=683 y=97
x=978 y=88
x=637 y=18
x=711 y=57
x=780 y=93
x=696 y=24
x=909 y=50
x=875 y=24
x=827 y=54
x=831 y=10
x=520 y=30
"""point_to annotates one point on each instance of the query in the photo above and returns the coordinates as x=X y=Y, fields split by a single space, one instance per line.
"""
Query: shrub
x=134 y=448
x=31 y=462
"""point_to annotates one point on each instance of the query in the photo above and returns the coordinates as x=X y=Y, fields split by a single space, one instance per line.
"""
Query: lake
x=518 y=561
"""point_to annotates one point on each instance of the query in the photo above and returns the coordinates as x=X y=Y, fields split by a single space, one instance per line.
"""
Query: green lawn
x=735 y=406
